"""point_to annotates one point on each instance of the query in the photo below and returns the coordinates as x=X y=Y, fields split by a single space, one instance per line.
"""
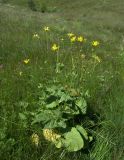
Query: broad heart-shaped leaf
x=68 y=109
x=82 y=104
x=50 y=118
x=52 y=105
x=73 y=140
x=54 y=123
x=64 y=97
x=82 y=131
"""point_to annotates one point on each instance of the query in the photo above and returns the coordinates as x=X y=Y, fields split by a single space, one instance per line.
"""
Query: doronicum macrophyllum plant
x=58 y=108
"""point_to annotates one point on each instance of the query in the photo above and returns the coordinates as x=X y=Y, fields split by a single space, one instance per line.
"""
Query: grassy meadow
x=77 y=45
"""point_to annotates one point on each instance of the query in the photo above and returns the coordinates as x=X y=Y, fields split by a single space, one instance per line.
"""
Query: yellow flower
x=46 y=29
x=80 y=39
x=50 y=135
x=35 y=139
x=55 y=47
x=95 y=43
x=26 y=61
x=73 y=39
x=20 y=73
x=70 y=34
x=96 y=58
x=36 y=36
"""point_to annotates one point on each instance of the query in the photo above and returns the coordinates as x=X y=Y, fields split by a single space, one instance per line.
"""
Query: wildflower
x=70 y=34
x=95 y=43
x=36 y=36
x=26 y=61
x=46 y=29
x=50 y=135
x=73 y=39
x=80 y=39
x=20 y=73
x=96 y=58
x=55 y=47
x=35 y=139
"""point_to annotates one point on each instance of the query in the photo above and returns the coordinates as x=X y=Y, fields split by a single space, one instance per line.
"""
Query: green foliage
x=73 y=140
x=17 y=92
x=58 y=108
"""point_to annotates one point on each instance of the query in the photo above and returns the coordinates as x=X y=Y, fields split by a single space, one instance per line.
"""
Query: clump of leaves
x=59 y=107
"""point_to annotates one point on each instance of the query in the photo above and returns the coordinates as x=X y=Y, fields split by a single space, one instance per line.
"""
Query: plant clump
x=58 y=108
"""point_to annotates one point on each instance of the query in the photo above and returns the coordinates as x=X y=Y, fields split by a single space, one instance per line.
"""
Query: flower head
x=70 y=34
x=55 y=47
x=26 y=61
x=80 y=39
x=46 y=28
x=73 y=39
x=95 y=43
x=36 y=36
x=50 y=135
x=35 y=139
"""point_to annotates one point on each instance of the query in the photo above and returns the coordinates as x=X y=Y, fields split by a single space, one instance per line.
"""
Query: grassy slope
x=103 y=20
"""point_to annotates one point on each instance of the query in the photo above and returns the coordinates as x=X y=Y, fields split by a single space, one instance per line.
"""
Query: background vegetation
x=95 y=20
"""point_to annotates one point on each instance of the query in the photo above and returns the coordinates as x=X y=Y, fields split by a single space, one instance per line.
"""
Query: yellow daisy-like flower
x=36 y=36
x=80 y=39
x=95 y=43
x=26 y=61
x=55 y=47
x=35 y=139
x=98 y=59
x=46 y=29
x=73 y=39
x=70 y=34
x=50 y=135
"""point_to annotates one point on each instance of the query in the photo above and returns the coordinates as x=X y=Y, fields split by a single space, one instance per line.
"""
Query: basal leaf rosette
x=58 y=109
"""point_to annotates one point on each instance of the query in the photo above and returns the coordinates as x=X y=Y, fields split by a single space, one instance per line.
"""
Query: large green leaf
x=47 y=115
x=73 y=140
x=82 y=104
x=52 y=105
x=50 y=118
x=82 y=131
x=68 y=109
x=54 y=123
x=64 y=97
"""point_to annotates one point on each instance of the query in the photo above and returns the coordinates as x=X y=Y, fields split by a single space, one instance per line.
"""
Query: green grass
x=103 y=21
